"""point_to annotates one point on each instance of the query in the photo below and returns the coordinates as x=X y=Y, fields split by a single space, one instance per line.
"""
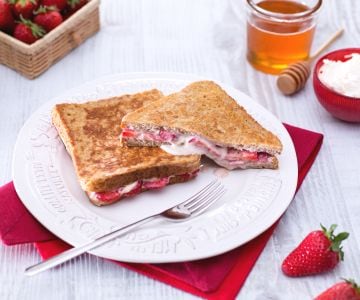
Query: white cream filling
x=183 y=146
x=131 y=186
x=124 y=189
x=128 y=188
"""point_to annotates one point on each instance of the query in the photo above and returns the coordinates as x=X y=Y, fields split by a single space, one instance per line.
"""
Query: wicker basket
x=32 y=60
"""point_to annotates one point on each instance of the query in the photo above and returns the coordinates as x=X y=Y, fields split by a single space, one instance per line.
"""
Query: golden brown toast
x=205 y=109
x=90 y=132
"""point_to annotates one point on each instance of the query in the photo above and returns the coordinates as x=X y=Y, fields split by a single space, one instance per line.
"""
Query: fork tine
x=206 y=204
x=200 y=193
x=205 y=200
x=203 y=197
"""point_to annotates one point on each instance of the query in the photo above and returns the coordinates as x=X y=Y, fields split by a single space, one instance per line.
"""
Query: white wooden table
x=205 y=37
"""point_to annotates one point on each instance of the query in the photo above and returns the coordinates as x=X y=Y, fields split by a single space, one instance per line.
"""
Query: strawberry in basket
x=27 y=31
x=59 y=4
x=48 y=17
x=7 y=22
x=73 y=6
x=24 y=8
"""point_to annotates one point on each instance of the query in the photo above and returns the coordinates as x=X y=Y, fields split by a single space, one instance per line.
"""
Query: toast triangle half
x=90 y=132
x=205 y=109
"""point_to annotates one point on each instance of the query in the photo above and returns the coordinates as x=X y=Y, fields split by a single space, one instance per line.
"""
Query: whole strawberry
x=7 y=22
x=27 y=31
x=346 y=290
x=24 y=8
x=59 y=4
x=73 y=6
x=48 y=17
x=319 y=252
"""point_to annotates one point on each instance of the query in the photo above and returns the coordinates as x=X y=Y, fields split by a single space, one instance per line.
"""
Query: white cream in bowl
x=342 y=76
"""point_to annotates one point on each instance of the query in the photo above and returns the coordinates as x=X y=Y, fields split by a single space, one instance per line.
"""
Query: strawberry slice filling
x=137 y=187
x=180 y=144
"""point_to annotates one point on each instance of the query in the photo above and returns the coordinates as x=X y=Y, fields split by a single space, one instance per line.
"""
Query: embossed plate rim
x=254 y=228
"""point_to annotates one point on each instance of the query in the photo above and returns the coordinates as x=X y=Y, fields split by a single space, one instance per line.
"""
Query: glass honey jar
x=280 y=32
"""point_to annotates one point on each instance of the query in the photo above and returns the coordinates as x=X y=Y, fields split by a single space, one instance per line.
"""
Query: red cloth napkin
x=219 y=277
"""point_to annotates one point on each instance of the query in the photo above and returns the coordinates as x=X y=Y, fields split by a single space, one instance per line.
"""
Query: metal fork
x=191 y=207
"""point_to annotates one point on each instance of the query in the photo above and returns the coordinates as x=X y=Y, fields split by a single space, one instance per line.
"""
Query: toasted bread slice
x=90 y=132
x=202 y=109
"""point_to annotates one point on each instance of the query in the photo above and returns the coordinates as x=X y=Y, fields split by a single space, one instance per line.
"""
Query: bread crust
x=205 y=109
x=133 y=142
x=273 y=163
x=90 y=132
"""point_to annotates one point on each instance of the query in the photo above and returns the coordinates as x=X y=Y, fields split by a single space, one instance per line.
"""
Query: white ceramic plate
x=46 y=182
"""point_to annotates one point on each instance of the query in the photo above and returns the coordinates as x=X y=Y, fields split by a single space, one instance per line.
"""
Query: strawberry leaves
x=335 y=240
x=44 y=9
x=37 y=31
x=354 y=285
x=22 y=2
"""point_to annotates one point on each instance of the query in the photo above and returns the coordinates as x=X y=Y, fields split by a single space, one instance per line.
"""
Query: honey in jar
x=279 y=32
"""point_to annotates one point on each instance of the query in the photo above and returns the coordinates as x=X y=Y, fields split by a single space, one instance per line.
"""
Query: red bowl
x=340 y=106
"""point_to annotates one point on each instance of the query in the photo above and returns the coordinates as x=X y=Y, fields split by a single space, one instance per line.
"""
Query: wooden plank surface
x=205 y=37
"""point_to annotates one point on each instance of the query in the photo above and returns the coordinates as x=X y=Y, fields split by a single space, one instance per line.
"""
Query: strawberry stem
x=73 y=3
x=44 y=9
x=22 y=2
x=335 y=239
x=354 y=285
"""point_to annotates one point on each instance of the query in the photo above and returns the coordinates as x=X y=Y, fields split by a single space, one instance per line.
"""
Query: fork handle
x=76 y=251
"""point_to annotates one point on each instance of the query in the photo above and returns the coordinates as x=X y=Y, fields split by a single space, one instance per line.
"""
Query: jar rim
x=276 y=15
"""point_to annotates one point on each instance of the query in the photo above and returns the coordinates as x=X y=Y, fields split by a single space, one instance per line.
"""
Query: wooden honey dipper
x=294 y=77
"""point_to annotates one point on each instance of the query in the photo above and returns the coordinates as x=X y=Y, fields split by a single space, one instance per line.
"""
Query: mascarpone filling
x=181 y=144
x=136 y=187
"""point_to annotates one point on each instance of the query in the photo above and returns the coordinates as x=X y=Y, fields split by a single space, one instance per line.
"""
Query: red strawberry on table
x=59 y=4
x=27 y=31
x=346 y=290
x=48 y=17
x=319 y=252
x=24 y=8
x=7 y=22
